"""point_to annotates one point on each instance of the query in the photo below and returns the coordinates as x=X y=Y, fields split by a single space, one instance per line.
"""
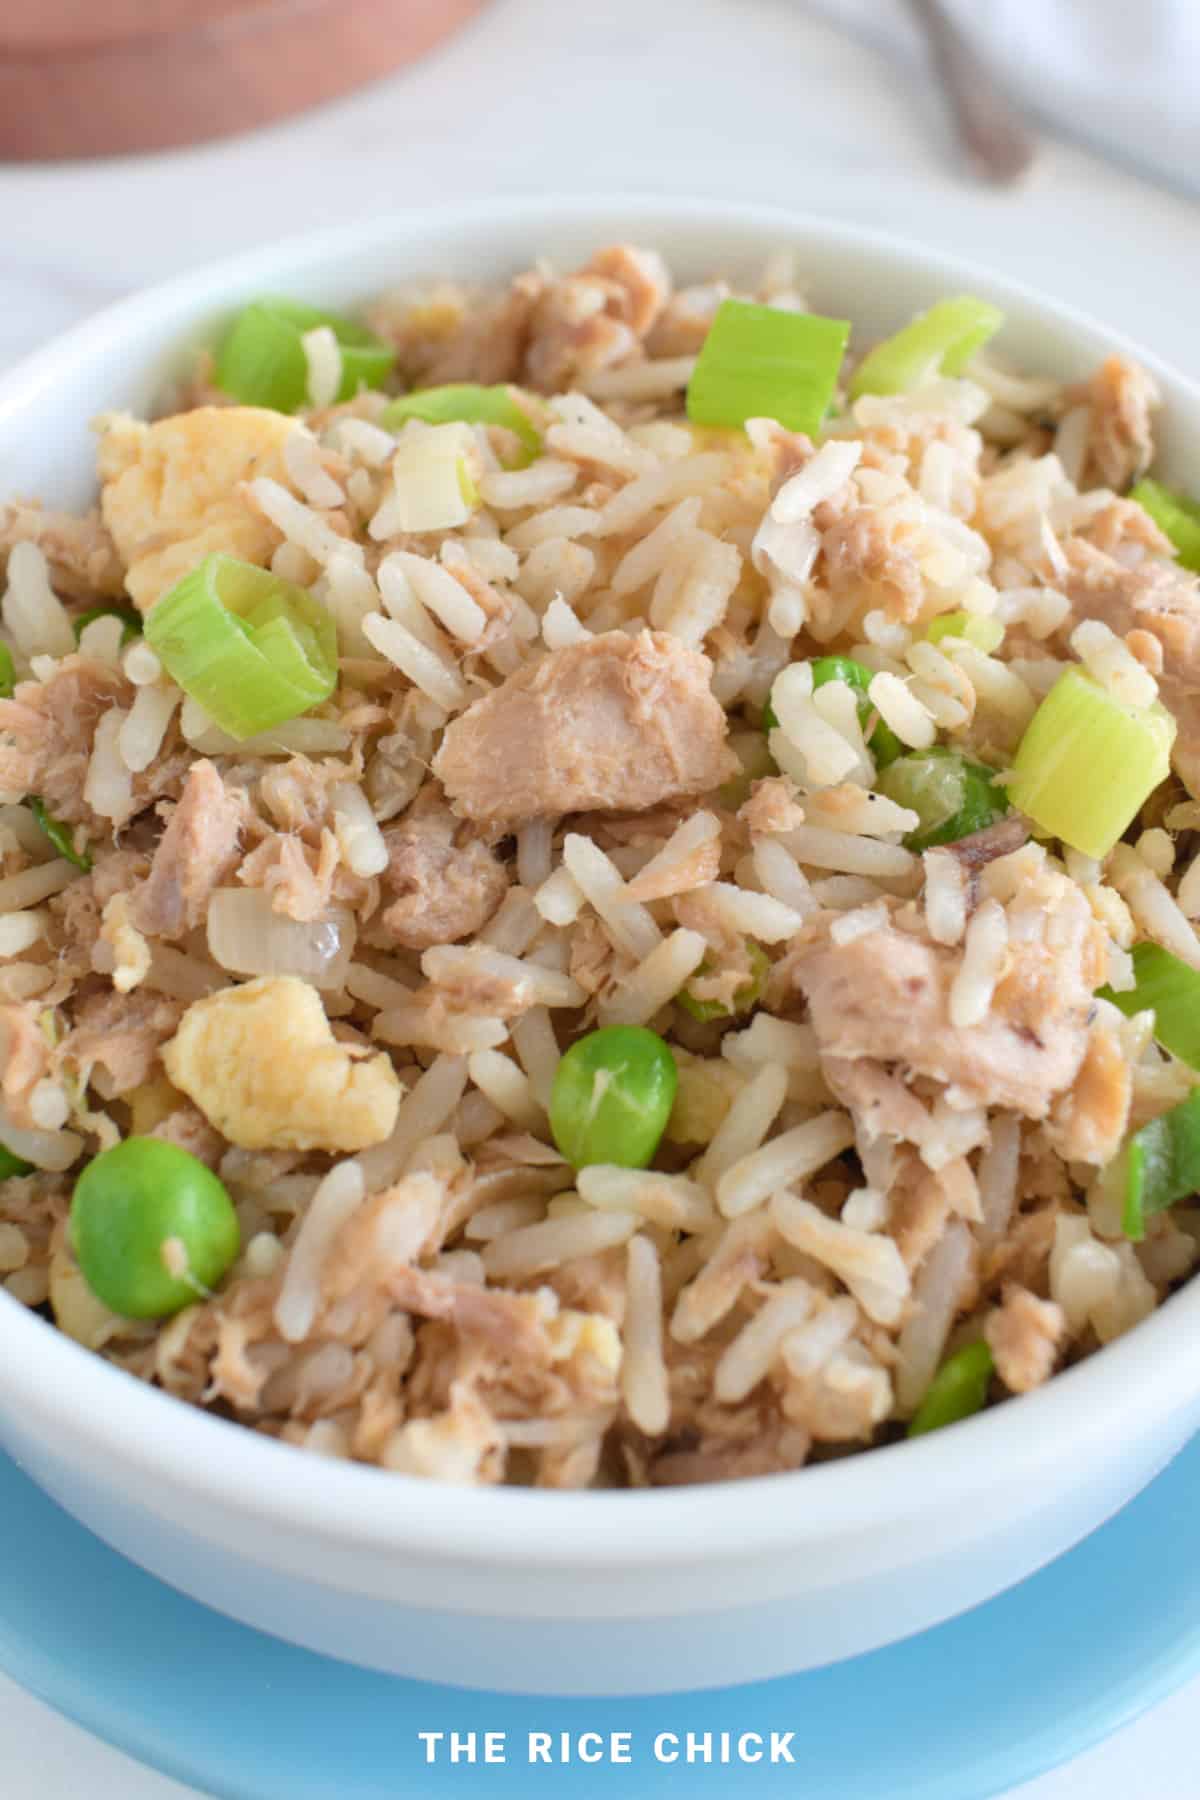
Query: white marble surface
x=727 y=98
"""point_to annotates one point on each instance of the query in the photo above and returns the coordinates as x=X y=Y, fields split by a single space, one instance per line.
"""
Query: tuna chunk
x=447 y=884
x=1122 y=397
x=46 y=733
x=123 y=1033
x=884 y=997
x=618 y=723
x=195 y=853
x=1163 y=601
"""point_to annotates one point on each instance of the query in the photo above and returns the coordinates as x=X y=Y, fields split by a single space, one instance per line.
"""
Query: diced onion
x=248 y=937
x=433 y=487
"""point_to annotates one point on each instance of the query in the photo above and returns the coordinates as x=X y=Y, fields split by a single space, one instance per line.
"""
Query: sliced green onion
x=1169 y=988
x=261 y=361
x=884 y=744
x=958 y=1389
x=952 y=796
x=761 y=362
x=8 y=672
x=940 y=341
x=744 y=997
x=985 y=633
x=60 y=836
x=1088 y=762
x=1162 y=1165
x=1175 y=515
x=11 y=1165
x=250 y=648
x=472 y=405
x=130 y=617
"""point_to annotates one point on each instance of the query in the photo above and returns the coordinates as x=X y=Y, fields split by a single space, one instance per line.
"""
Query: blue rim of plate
x=962 y=1712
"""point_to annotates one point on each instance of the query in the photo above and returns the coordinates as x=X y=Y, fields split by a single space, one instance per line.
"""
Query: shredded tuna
x=195 y=854
x=446 y=882
x=616 y=722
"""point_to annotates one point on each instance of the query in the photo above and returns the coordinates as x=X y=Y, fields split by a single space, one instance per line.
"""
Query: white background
x=729 y=98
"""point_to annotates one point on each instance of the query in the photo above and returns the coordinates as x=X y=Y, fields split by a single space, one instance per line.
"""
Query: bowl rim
x=84 y=1402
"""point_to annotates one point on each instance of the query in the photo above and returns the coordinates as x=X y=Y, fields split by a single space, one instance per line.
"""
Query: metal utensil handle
x=988 y=122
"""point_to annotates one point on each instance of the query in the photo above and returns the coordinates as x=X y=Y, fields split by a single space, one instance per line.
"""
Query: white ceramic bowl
x=573 y=1593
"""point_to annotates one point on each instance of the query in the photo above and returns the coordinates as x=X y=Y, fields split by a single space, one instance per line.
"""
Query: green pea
x=884 y=745
x=130 y=617
x=612 y=1096
x=744 y=997
x=12 y=1165
x=152 y=1228
x=951 y=795
x=60 y=836
x=8 y=672
x=957 y=1390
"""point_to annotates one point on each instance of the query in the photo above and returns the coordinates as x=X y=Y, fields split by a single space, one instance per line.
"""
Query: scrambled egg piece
x=264 y=1067
x=170 y=491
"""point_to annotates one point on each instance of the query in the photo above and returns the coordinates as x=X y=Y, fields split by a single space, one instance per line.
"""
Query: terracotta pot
x=102 y=77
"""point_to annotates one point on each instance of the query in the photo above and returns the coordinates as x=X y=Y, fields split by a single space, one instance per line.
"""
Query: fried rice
x=339 y=961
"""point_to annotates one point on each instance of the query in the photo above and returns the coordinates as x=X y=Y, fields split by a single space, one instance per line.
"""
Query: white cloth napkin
x=1120 y=75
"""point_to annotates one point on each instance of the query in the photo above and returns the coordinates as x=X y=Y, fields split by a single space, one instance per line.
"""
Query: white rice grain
x=108 y=786
x=654 y=981
x=335 y=1202
x=945 y=896
x=654 y=379
x=649 y=556
x=671 y=870
x=912 y=723
x=752 y=915
x=781 y=876
x=34 y=885
x=547 y=479
x=847 y=854
x=1106 y=657
x=858 y=922
x=32 y=612
x=554 y=522
x=745 y=1125
x=936 y=1295
x=100 y=641
x=140 y=664
x=748 y=1359
x=630 y=926
x=560 y=627
x=535 y=1249
x=819 y=479
x=367 y=443
x=20 y=930
x=635 y=502
x=537 y=1051
x=984 y=952
x=145 y=725
x=1153 y=907
x=868 y=1263
x=307 y=473
x=437 y=590
x=671 y=1201
x=364 y=851
x=791 y=1157
x=422 y=666
x=323 y=361
x=422 y=1112
x=299 y=523
x=644 y=1385
x=507 y=1086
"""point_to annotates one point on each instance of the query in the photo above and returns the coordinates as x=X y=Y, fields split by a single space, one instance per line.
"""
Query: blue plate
x=958 y=1713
